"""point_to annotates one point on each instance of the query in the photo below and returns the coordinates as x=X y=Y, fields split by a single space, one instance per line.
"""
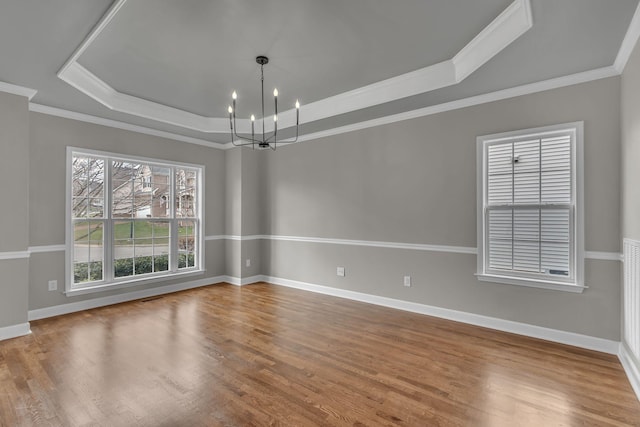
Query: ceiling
x=171 y=65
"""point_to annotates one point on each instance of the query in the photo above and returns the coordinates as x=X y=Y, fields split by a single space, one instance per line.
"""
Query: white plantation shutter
x=529 y=206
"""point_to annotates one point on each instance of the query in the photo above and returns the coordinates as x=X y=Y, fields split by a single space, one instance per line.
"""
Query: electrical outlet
x=53 y=285
x=340 y=271
x=407 y=281
x=248 y=262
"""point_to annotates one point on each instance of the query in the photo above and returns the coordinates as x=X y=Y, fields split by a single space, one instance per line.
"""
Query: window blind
x=528 y=206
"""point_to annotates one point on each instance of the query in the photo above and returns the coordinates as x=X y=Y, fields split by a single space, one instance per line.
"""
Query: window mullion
x=540 y=203
x=108 y=236
x=173 y=256
x=513 y=201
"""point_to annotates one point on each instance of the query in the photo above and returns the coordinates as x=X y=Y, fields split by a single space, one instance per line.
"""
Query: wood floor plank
x=264 y=355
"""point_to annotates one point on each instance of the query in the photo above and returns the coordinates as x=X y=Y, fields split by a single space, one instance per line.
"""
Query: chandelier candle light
x=267 y=141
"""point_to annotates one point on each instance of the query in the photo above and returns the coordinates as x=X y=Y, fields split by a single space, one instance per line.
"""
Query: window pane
x=556 y=186
x=122 y=267
x=122 y=198
x=185 y=198
x=161 y=193
x=527 y=154
x=500 y=174
x=160 y=203
x=556 y=170
x=80 y=207
x=526 y=240
x=526 y=188
x=142 y=205
x=500 y=239
x=186 y=244
x=141 y=247
x=555 y=243
x=88 y=251
x=87 y=187
x=555 y=258
x=96 y=208
x=123 y=249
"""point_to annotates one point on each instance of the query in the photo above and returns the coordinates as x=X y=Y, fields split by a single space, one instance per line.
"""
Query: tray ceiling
x=171 y=65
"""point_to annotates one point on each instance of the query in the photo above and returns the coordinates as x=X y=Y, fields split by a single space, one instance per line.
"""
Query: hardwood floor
x=266 y=355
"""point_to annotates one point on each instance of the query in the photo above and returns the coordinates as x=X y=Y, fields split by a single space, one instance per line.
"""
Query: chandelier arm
x=244 y=138
x=241 y=144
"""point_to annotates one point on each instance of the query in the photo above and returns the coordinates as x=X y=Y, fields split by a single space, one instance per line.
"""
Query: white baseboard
x=631 y=367
x=563 y=337
x=14 y=331
x=57 y=310
x=237 y=281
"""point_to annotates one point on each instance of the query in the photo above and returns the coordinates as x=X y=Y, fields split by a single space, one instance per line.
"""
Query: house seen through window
x=132 y=219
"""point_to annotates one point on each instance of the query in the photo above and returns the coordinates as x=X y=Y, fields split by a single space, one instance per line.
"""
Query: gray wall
x=14 y=215
x=415 y=182
x=412 y=181
x=243 y=212
x=631 y=147
x=48 y=141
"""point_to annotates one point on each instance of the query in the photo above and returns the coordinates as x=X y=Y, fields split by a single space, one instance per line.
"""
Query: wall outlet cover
x=340 y=271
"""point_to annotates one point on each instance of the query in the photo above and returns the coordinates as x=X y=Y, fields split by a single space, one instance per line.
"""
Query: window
x=122 y=224
x=530 y=216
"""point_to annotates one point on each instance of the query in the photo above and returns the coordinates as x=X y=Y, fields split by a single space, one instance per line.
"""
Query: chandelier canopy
x=267 y=140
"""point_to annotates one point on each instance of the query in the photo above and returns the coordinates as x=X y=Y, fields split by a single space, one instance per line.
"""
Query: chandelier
x=267 y=140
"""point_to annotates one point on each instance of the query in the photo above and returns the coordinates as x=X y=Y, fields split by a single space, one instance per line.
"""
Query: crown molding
x=513 y=22
x=59 y=112
x=17 y=90
x=501 y=32
x=587 y=76
x=94 y=33
x=629 y=42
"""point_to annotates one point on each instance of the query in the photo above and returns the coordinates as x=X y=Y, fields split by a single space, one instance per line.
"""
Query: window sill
x=130 y=283
x=556 y=286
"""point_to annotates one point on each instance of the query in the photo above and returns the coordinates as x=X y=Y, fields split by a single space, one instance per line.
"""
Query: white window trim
x=104 y=285
x=577 y=165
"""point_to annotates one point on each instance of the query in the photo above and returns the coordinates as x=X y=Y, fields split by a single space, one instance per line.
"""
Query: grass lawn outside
x=142 y=231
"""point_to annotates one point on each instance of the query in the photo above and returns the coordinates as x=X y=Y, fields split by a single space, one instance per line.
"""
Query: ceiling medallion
x=268 y=140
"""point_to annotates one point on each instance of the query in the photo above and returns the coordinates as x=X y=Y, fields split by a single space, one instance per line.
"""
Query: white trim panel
x=376 y=244
x=563 y=337
x=631 y=368
x=514 y=21
x=57 y=310
x=46 y=248
x=58 y=112
x=606 y=256
x=17 y=90
x=14 y=331
x=628 y=43
x=14 y=255
x=242 y=281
